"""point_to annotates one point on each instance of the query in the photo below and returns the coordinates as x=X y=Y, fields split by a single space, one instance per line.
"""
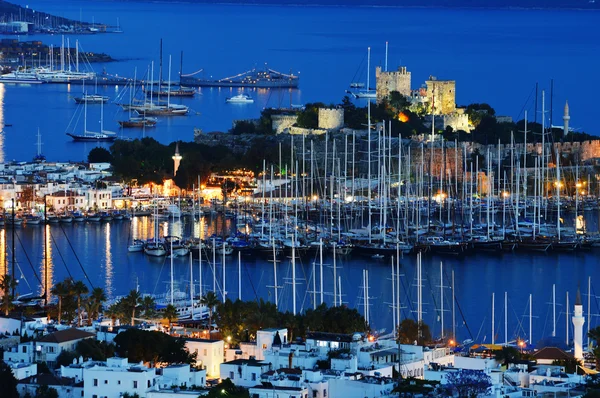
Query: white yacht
x=18 y=77
x=240 y=99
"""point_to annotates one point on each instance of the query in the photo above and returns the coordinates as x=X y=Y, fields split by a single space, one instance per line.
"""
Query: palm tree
x=7 y=285
x=61 y=290
x=97 y=298
x=594 y=334
x=148 y=306
x=131 y=301
x=210 y=301
x=79 y=289
x=169 y=314
x=113 y=312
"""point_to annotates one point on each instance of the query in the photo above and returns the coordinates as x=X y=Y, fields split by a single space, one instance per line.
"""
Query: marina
x=385 y=233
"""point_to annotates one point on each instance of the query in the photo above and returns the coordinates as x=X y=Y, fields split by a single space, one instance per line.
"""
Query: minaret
x=566 y=119
x=176 y=160
x=578 y=321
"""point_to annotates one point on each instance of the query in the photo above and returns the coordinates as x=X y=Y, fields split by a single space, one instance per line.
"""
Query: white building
x=244 y=372
x=98 y=198
x=360 y=386
x=22 y=370
x=65 y=200
x=116 y=377
x=66 y=388
x=181 y=375
x=278 y=392
x=209 y=354
x=47 y=348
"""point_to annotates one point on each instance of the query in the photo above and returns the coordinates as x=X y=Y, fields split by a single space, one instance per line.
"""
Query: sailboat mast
x=223 y=288
x=321 y=265
x=192 y=284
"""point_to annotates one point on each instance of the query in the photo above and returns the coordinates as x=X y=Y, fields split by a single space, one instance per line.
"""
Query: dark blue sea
x=496 y=56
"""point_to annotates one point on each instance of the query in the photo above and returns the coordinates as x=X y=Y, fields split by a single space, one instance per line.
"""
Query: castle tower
x=176 y=160
x=566 y=119
x=386 y=82
x=578 y=321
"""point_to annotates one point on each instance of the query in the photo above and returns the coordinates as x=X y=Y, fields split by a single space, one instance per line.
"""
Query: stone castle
x=392 y=81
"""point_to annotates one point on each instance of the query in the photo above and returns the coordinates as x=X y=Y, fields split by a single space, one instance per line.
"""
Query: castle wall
x=280 y=123
x=442 y=94
x=331 y=119
x=386 y=82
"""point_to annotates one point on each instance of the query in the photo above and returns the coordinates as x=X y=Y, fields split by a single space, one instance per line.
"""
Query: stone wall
x=303 y=131
x=387 y=82
x=446 y=162
x=458 y=120
x=442 y=94
x=331 y=119
x=280 y=123
x=585 y=150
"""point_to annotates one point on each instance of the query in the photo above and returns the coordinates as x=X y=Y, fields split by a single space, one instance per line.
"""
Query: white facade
x=279 y=392
x=116 y=378
x=48 y=348
x=182 y=376
x=357 y=386
x=65 y=200
x=22 y=370
x=209 y=353
x=100 y=198
x=244 y=372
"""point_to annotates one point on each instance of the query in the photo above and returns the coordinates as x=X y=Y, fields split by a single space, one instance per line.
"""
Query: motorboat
x=17 y=77
x=240 y=99
x=136 y=246
x=92 y=99
x=139 y=122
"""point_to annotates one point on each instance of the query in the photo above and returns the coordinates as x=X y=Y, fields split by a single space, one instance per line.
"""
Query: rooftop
x=247 y=362
x=551 y=353
x=323 y=336
x=63 y=336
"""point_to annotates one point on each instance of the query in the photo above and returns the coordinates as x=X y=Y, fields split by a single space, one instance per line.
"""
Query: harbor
x=407 y=217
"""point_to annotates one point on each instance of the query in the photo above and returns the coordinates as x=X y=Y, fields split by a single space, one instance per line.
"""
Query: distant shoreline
x=279 y=3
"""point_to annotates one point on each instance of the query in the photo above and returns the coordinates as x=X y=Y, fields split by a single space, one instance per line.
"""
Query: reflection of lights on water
x=47 y=257
x=2 y=91
x=109 y=264
x=134 y=226
x=580 y=224
x=2 y=251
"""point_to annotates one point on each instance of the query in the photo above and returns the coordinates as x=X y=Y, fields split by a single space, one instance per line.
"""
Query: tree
x=570 y=365
x=94 y=349
x=594 y=334
x=148 y=307
x=62 y=290
x=140 y=345
x=398 y=101
x=507 y=355
x=99 y=155
x=131 y=302
x=113 y=313
x=210 y=301
x=46 y=392
x=411 y=331
x=228 y=389
x=79 y=289
x=8 y=381
x=170 y=314
x=468 y=383
x=309 y=117
x=7 y=285
x=243 y=127
x=97 y=298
